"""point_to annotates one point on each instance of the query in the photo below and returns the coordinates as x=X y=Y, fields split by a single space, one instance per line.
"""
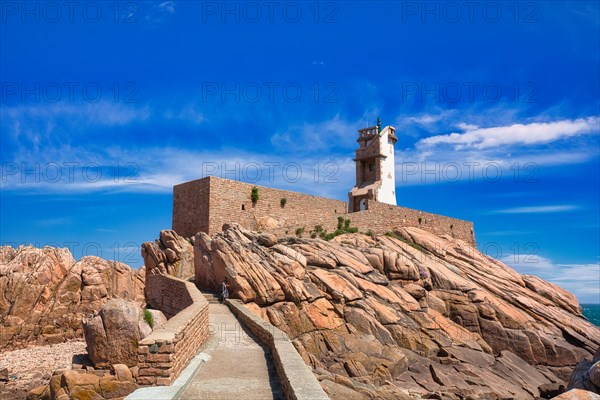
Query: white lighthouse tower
x=375 y=177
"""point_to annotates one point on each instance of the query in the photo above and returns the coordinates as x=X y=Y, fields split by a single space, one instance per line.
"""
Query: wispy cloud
x=499 y=151
x=154 y=13
x=516 y=134
x=106 y=113
x=426 y=119
x=168 y=6
x=157 y=170
x=55 y=221
x=312 y=136
x=506 y=233
x=583 y=280
x=537 y=209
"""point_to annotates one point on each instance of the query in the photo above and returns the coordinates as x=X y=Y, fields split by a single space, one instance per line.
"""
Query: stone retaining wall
x=295 y=377
x=209 y=203
x=381 y=218
x=167 y=351
x=169 y=294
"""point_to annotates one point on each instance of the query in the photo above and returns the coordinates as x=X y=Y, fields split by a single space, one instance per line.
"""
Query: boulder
x=83 y=385
x=578 y=394
x=267 y=239
x=113 y=389
x=586 y=375
x=170 y=254
x=594 y=373
x=122 y=372
x=44 y=293
x=113 y=334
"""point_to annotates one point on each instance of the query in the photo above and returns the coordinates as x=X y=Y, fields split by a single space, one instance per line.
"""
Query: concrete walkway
x=239 y=367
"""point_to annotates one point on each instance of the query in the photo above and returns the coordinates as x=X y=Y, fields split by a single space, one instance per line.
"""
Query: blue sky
x=106 y=105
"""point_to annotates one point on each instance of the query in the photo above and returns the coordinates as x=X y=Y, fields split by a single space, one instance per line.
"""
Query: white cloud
x=537 y=209
x=55 y=221
x=583 y=280
x=426 y=119
x=105 y=113
x=527 y=262
x=517 y=151
x=189 y=113
x=168 y=6
x=71 y=170
x=516 y=134
x=335 y=132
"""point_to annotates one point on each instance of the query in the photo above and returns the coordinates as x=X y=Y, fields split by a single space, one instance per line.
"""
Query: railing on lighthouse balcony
x=367 y=133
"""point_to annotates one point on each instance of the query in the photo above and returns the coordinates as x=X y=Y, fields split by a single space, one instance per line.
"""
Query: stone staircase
x=212 y=298
x=239 y=367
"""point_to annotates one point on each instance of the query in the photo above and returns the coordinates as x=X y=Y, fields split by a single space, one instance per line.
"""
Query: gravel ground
x=32 y=367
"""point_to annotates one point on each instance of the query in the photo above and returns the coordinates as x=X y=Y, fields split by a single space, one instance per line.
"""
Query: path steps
x=210 y=296
x=239 y=367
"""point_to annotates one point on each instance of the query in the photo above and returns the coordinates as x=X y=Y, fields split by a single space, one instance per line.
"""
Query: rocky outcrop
x=112 y=335
x=578 y=394
x=81 y=384
x=586 y=375
x=170 y=254
x=44 y=293
x=415 y=314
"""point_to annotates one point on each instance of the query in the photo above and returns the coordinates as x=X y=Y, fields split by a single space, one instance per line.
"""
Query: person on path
x=224 y=289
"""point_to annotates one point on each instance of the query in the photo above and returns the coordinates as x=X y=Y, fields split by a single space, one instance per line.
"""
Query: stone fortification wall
x=209 y=203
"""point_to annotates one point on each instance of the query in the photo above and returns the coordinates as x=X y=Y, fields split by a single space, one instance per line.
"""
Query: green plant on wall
x=282 y=202
x=149 y=318
x=254 y=195
x=318 y=231
x=343 y=226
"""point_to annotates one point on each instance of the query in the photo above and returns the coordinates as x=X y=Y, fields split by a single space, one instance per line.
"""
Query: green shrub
x=149 y=318
x=254 y=195
x=299 y=232
x=329 y=236
x=420 y=220
x=343 y=226
x=393 y=235
x=411 y=244
x=370 y=233
x=282 y=202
